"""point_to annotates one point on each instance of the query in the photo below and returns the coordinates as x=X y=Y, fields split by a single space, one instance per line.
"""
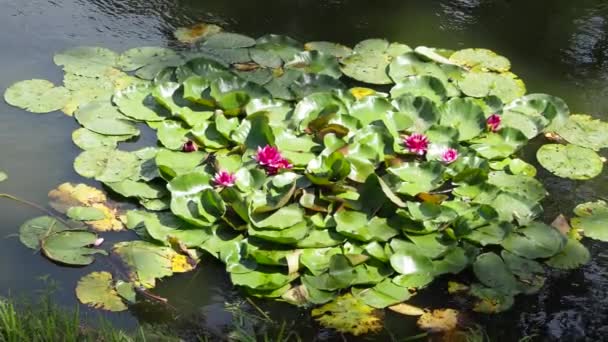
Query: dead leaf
x=180 y=264
x=554 y=137
x=456 y=287
x=195 y=33
x=408 y=310
x=432 y=198
x=293 y=261
x=561 y=224
x=439 y=320
x=297 y=295
x=360 y=92
x=249 y=66
x=69 y=195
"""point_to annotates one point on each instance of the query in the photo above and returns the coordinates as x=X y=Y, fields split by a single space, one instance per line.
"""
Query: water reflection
x=458 y=14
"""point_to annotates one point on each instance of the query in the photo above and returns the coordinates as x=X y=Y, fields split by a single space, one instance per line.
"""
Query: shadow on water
x=557 y=46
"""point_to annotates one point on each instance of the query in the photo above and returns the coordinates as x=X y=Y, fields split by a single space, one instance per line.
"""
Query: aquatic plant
x=307 y=189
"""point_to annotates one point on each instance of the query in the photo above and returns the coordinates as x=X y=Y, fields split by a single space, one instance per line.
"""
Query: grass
x=44 y=321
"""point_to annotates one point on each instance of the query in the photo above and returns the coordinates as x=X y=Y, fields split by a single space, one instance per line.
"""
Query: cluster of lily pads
x=314 y=170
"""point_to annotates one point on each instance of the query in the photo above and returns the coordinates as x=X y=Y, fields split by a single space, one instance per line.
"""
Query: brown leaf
x=439 y=320
x=406 y=309
x=432 y=198
x=561 y=224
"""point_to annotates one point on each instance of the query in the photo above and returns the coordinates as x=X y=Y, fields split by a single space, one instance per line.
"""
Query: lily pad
x=370 y=59
x=33 y=231
x=464 y=115
x=137 y=103
x=37 y=96
x=570 y=161
x=103 y=118
x=537 y=240
x=194 y=200
x=499 y=145
x=85 y=214
x=106 y=165
x=90 y=61
x=574 y=255
x=481 y=59
x=196 y=32
x=585 y=131
x=427 y=86
x=505 y=86
x=593 y=225
x=146 y=261
x=333 y=49
x=348 y=314
x=70 y=247
x=97 y=290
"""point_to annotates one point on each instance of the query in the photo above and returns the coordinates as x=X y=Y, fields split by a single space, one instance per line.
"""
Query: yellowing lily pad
x=440 y=320
x=69 y=195
x=347 y=314
x=97 y=290
x=195 y=33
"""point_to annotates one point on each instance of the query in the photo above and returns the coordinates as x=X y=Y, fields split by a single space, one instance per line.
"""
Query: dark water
x=558 y=47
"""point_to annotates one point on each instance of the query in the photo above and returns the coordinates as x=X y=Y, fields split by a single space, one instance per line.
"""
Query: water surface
x=558 y=47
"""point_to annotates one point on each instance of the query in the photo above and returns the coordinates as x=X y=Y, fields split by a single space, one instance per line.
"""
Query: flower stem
x=33 y=205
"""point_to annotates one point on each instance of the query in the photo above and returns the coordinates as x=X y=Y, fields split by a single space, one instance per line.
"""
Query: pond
x=558 y=47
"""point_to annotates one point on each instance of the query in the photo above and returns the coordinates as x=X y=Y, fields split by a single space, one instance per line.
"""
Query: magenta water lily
x=494 y=122
x=417 y=143
x=224 y=179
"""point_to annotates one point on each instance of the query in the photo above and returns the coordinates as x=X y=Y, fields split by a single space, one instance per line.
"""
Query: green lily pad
x=421 y=110
x=464 y=115
x=89 y=140
x=354 y=224
x=585 y=131
x=329 y=48
x=103 y=118
x=37 y=96
x=418 y=177
x=315 y=62
x=593 y=224
x=33 y=231
x=165 y=227
x=106 y=165
x=131 y=188
x=492 y=272
x=530 y=274
x=370 y=59
x=574 y=255
x=138 y=57
x=90 y=61
x=146 y=261
x=97 y=290
x=382 y=295
x=490 y=301
x=427 y=86
x=499 y=145
x=137 y=103
x=525 y=186
x=550 y=110
x=537 y=240
x=505 y=86
x=70 y=247
x=570 y=161
x=85 y=214
x=194 y=200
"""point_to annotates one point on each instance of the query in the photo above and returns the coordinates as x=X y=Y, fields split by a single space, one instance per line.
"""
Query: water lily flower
x=224 y=179
x=271 y=159
x=449 y=155
x=189 y=146
x=417 y=143
x=268 y=155
x=98 y=242
x=493 y=122
x=281 y=164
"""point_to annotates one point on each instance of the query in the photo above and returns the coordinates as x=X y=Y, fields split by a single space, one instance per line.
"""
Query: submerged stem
x=35 y=206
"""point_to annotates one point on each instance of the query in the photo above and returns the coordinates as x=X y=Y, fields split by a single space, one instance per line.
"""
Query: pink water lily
x=449 y=155
x=271 y=159
x=275 y=168
x=417 y=143
x=224 y=179
x=98 y=242
x=189 y=146
x=493 y=122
